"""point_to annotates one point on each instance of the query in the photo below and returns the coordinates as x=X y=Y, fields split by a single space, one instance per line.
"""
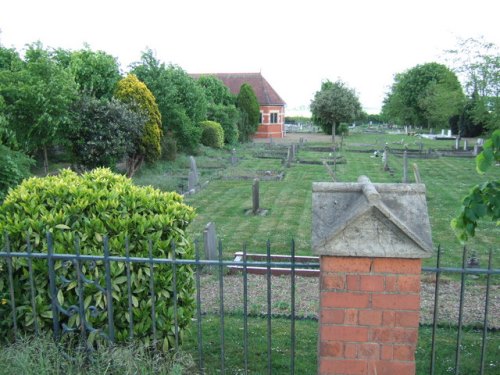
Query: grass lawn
x=225 y=201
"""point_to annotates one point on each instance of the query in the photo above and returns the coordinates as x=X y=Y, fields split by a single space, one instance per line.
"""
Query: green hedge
x=213 y=134
x=90 y=206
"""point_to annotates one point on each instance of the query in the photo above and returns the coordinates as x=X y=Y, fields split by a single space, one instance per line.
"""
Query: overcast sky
x=295 y=44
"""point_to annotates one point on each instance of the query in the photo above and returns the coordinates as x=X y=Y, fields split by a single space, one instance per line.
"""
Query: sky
x=296 y=45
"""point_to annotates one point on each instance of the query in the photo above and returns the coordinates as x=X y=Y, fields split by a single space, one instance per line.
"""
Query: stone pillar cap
x=367 y=219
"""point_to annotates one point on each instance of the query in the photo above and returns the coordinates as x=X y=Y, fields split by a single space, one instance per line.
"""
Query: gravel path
x=307 y=303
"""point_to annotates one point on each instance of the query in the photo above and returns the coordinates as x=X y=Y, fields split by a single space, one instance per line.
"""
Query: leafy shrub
x=90 y=206
x=213 y=134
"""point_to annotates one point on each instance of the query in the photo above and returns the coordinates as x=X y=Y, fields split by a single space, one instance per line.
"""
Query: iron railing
x=220 y=266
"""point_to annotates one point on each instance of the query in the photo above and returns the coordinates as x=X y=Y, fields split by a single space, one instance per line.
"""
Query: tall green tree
x=38 y=99
x=248 y=104
x=182 y=103
x=96 y=72
x=426 y=95
x=333 y=104
x=135 y=93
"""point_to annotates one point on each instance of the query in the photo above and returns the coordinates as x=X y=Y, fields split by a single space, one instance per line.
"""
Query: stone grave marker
x=465 y=144
x=193 y=178
x=457 y=143
x=234 y=159
x=255 y=196
x=405 y=167
x=210 y=242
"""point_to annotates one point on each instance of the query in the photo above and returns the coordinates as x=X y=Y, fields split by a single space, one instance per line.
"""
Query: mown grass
x=306 y=347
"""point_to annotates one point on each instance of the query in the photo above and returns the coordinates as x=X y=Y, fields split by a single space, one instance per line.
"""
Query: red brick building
x=272 y=107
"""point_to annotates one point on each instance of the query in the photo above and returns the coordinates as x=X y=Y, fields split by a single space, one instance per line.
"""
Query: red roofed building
x=272 y=107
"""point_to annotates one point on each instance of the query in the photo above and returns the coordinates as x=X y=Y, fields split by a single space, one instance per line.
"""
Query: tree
x=103 y=132
x=484 y=199
x=181 y=101
x=96 y=73
x=477 y=62
x=131 y=91
x=426 y=95
x=333 y=104
x=14 y=165
x=248 y=104
x=38 y=99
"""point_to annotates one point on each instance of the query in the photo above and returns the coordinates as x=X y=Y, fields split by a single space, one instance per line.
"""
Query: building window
x=260 y=118
x=274 y=118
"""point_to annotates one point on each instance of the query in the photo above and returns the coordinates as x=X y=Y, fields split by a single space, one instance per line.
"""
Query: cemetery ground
x=225 y=196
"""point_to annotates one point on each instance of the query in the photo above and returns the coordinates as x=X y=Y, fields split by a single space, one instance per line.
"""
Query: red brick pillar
x=369 y=315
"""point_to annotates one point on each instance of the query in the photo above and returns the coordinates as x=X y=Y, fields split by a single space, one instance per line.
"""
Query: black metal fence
x=220 y=268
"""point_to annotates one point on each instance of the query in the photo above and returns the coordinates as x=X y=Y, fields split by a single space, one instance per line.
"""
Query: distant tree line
x=79 y=101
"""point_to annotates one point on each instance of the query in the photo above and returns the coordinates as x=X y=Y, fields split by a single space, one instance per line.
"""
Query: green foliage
x=103 y=132
x=181 y=101
x=215 y=90
x=96 y=73
x=169 y=147
x=333 y=104
x=249 y=106
x=14 y=165
x=135 y=93
x=38 y=96
x=89 y=207
x=425 y=95
x=213 y=134
x=227 y=116
x=484 y=199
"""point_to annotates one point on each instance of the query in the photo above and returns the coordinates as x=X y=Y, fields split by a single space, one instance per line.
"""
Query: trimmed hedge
x=213 y=134
x=90 y=206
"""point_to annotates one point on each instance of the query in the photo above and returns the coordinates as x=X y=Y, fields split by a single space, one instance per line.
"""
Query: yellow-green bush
x=213 y=134
x=90 y=206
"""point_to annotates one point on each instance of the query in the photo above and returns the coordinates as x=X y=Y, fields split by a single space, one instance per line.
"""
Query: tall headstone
x=405 y=167
x=476 y=149
x=193 y=178
x=465 y=144
x=210 y=242
x=384 y=159
x=457 y=143
x=449 y=132
x=255 y=196
x=234 y=159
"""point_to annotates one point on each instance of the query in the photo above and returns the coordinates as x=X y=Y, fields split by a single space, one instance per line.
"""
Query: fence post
x=370 y=238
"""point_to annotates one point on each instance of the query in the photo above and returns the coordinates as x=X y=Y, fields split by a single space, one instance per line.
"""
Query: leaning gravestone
x=210 y=242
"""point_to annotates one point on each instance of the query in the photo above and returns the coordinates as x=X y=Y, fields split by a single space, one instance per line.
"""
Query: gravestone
x=405 y=167
x=193 y=178
x=465 y=144
x=457 y=143
x=476 y=149
x=210 y=242
x=255 y=196
x=384 y=160
x=449 y=132
x=234 y=159
x=416 y=173
x=301 y=141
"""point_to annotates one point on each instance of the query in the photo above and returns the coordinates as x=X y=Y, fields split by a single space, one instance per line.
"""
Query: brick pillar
x=369 y=315
x=370 y=239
